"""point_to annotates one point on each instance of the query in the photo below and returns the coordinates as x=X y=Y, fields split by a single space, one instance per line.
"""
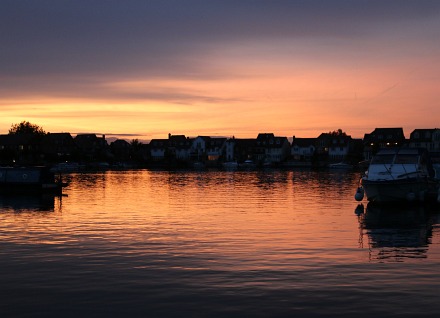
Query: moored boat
x=29 y=180
x=400 y=175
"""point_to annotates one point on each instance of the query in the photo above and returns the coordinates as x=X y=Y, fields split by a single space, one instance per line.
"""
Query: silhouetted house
x=57 y=147
x=271 y=149
x=382 y=138
x=339 y=148
x=355 y=154
x=91 y=147
x=322 y=145
x=121 y=150
x=425 y=138
x=332 y=147
x=179 y=147
x=302 y=149
x=20 y=148
x=198 y=148
x=207 y=149
x=144 y=153
x=215 y=149
x=158 y=149
x=238 y=149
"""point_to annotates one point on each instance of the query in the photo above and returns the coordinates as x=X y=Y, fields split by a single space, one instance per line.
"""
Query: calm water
x=216 y=244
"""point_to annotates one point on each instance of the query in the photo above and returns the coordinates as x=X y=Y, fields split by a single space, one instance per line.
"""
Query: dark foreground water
x=216 y=244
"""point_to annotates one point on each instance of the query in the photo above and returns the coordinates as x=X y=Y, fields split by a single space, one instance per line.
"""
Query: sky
x=143 y=69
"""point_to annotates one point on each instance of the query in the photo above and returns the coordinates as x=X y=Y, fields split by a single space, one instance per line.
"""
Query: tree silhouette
x=26 y=127
x=338 y=132
x=136 y=144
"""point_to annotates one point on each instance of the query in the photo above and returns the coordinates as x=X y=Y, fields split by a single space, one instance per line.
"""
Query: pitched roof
x=179 y=141
x=16 y=139
x=423 y=135
x=266 y=136
x=268 y=140
x=303 y=142
x=243 y=142
x=159 y=143
x=382 y=135
x=120 y=143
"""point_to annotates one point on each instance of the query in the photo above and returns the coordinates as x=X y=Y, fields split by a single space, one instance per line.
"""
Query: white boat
x=399 y=175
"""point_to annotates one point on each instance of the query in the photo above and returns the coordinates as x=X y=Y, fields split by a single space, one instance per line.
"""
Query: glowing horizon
x=288 y=68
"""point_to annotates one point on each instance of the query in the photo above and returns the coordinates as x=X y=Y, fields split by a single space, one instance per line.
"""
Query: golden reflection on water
x=261 y=219
x=267 y=243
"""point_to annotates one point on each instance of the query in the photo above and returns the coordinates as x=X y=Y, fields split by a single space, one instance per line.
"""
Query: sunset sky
x=143 y=69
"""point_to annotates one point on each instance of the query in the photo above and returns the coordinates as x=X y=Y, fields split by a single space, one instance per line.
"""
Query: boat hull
x=407 y=190
x=29 y=180
x=32 y=189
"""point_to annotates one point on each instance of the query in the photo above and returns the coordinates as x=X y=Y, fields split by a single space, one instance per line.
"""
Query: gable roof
x=303 y=142
x=268 y=140
x=423 y=135
x=179 y=141
x=158 y=143
x=242 y=142
x=121 y=143
x=17 y=139
x=386 y=134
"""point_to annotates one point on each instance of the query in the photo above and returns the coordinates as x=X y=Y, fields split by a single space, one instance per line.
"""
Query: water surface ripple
x=216 y=244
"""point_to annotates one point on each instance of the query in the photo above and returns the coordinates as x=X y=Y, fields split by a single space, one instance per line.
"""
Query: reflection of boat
x=27 y=202
x=396 y=232
x=29 y=180
x=230 y=165
x=396 y=175
x=340 y=165
x=248 y=164
x=198 y=165
x=67 y=167
x=296 y=164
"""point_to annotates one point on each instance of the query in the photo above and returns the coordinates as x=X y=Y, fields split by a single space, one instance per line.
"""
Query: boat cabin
x=390 y=164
